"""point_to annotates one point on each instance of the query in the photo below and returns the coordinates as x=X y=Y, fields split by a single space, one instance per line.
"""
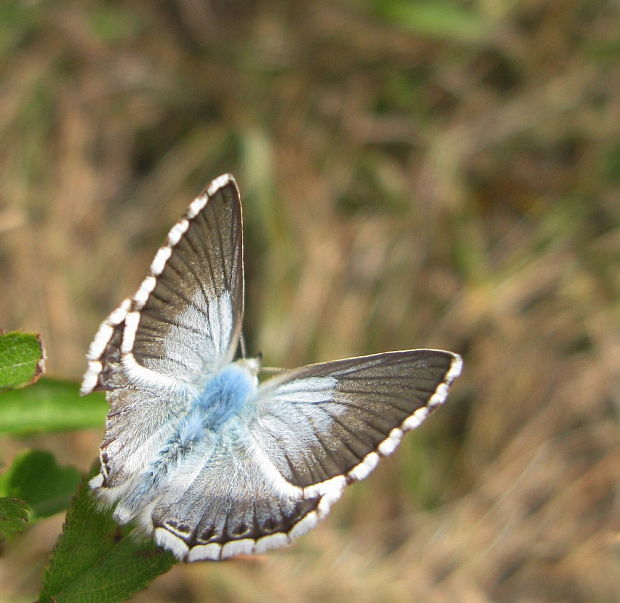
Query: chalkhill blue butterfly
x=196 y=451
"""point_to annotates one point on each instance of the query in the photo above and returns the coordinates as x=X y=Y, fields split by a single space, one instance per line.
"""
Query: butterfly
x=196 y=451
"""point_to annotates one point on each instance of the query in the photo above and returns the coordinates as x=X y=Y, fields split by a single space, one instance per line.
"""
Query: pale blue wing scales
x=325 y=425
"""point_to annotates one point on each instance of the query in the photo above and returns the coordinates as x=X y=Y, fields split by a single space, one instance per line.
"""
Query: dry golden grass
x=401 y=190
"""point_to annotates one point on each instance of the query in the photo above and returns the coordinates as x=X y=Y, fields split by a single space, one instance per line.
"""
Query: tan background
x=412 y=177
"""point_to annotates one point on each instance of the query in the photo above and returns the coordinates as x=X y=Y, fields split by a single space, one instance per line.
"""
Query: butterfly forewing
x=184 y=321
x=190 y=322
x=334 y=419
x=105 y=369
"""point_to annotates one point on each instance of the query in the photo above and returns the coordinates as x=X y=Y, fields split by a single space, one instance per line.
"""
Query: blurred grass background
x=415 y=174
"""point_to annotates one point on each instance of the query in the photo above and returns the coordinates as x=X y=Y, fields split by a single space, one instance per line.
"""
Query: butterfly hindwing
x=230 y=504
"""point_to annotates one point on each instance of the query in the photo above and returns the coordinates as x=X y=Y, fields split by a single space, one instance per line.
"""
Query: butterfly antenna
x=244 y=351
x=272 y=369
x=269 y=369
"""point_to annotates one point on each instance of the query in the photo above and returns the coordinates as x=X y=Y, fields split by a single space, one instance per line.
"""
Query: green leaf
x=438 y=18
x=13 y=517
x=50 y=405
x=22 y=359
x=95 y=560
x=35 y=478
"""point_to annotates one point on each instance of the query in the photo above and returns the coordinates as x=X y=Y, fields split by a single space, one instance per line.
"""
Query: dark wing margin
x=326 y=425
x=184 y=320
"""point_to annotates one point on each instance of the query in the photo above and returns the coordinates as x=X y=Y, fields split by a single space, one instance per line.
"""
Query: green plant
x=93 y=559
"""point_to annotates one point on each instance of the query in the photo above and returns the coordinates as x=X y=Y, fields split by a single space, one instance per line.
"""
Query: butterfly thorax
x=224 y=395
